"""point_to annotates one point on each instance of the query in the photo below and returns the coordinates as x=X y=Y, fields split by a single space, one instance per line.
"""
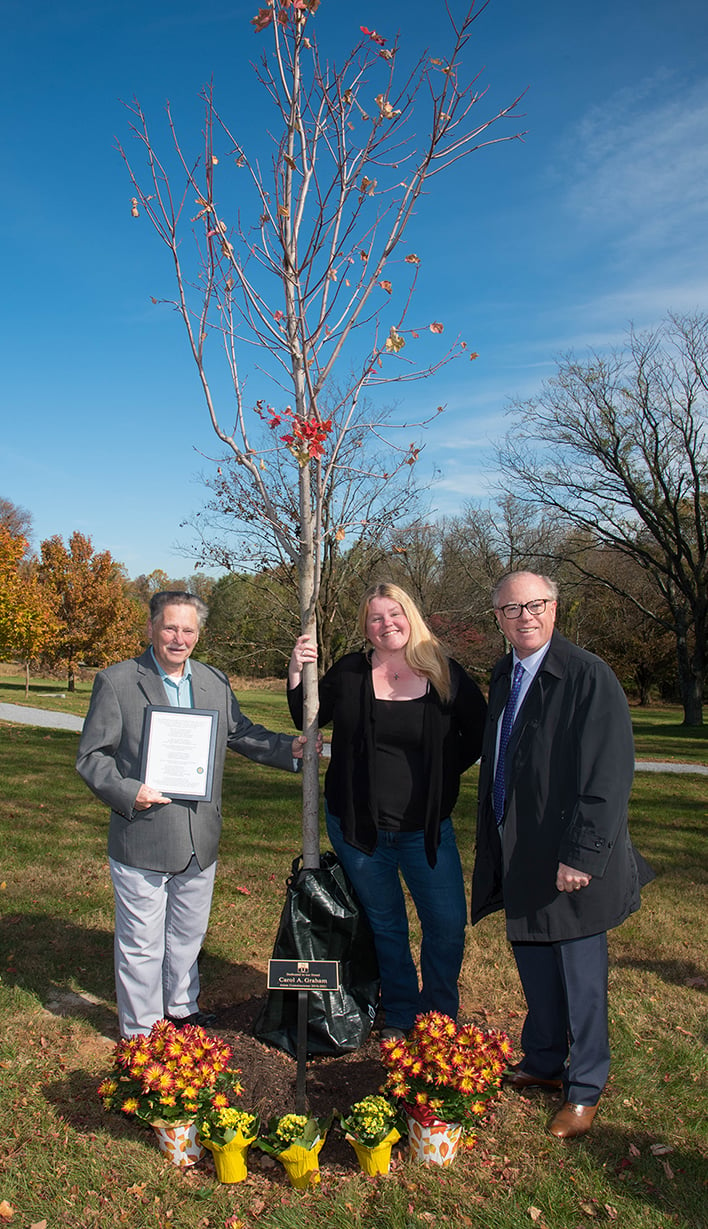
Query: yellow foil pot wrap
x=302 y=1165
x=436 y=1144
x=179 y=1142
x=376 y=1158
x=230 y=1159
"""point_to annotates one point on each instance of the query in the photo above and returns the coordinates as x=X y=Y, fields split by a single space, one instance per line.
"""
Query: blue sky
x=599 y=219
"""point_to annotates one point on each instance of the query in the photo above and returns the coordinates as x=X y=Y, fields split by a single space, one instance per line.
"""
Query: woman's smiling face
x=387 y=627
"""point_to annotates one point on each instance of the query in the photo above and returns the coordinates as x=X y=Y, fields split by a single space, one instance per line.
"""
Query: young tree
x=618 y=448
x=318 y=287
x=98 y=622
x=237 y=532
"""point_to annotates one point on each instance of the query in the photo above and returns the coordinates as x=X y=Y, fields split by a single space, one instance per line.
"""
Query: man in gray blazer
x=162 y=852
x=553 y=848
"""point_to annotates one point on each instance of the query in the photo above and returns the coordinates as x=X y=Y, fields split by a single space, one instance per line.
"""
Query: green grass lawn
x=63 y=1161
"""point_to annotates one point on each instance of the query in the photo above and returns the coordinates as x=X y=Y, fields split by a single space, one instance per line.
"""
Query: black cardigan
x=452 y=740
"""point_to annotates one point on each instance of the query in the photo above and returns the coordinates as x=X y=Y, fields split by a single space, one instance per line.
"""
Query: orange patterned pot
x=435 y=1144
x=179 y=1142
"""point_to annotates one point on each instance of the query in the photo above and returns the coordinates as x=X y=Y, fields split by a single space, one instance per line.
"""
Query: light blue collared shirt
x=178 y=691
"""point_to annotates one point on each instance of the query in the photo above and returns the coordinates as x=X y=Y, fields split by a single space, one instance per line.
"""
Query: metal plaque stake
x=302 y=976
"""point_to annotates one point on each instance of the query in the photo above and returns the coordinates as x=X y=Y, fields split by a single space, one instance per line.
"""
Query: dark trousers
x=566 y=1030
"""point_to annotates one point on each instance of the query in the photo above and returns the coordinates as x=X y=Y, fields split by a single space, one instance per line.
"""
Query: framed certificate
x=178 y=751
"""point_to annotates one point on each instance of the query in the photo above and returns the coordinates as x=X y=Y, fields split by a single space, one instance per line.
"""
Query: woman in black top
x=406 y=722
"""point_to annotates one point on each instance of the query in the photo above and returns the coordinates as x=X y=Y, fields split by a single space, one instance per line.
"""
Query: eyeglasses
x=536 y=607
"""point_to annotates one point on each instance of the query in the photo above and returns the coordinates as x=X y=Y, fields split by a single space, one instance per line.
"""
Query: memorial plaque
x=303 y=975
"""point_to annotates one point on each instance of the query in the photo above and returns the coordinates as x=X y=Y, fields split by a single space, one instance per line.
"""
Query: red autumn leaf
x=386 y=285
x=262 y=20
x=375 y=38
x=436 y=327
x=243 y=891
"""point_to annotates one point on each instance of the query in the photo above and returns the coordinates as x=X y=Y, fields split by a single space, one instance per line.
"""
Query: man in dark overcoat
x=553 y=847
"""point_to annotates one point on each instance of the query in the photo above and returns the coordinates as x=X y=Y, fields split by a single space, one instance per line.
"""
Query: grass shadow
x=50 y=956
x=670 y=1179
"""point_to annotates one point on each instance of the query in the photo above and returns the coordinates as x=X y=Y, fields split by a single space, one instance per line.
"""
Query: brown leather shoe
x=572 y=1120
x=518 y=1079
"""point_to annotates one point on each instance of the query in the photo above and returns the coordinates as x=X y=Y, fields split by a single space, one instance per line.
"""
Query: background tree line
x=70 y=605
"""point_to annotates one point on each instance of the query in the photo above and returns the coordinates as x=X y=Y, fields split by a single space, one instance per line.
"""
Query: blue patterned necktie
x=507 y=723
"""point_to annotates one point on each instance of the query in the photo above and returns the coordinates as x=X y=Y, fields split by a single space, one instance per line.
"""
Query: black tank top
x=400 y=784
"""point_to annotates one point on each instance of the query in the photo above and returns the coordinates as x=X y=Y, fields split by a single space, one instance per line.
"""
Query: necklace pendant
x=396 y=677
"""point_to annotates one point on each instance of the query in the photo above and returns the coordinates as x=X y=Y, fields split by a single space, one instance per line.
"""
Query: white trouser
x=161 y=921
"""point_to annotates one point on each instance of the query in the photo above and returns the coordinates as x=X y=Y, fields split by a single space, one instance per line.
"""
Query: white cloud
x=641 y=165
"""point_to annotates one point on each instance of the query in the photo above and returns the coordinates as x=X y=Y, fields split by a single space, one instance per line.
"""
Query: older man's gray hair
x=178 y=597
x=551 y=586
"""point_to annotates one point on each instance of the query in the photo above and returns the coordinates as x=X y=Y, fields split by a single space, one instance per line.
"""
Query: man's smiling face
x=174 y=634
x=528 y=633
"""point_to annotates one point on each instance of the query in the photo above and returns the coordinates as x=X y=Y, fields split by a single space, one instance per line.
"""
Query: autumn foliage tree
x=303 y=269
x=28 y=624
x=97 y=622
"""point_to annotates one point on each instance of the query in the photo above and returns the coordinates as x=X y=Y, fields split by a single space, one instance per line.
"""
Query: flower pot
x=434 y=1143
x=375 y=1159
x=179 y=1142
x=230 y=1159
x=302 y=1165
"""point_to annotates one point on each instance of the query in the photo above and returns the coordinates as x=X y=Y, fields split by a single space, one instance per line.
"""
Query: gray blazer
x=163 y=837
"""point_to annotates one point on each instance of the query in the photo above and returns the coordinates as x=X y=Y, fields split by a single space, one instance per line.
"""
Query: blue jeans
x=439 y=896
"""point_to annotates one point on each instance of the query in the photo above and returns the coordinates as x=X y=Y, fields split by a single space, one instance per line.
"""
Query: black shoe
x=515 y=1077
x=205 y=1019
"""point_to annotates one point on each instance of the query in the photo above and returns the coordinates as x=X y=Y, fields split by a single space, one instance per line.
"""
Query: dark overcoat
x=569 y=769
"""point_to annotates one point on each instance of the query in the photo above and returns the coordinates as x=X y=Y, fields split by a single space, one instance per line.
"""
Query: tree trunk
x=71 y=682
x=310 y=692
x=691 y=678
x=27 y=678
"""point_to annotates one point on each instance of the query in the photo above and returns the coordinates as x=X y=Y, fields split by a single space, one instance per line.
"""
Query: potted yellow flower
x=372 y=1128
x=227 y=1133
x=296 y=1141
x=163 y=1079
x=444 y=1076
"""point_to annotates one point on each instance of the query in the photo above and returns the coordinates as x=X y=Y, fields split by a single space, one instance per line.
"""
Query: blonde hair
x=423 y=652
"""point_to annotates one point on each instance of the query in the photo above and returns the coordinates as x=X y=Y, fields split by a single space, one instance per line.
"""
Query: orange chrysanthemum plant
x=442 y=1073
x=172 y=1075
